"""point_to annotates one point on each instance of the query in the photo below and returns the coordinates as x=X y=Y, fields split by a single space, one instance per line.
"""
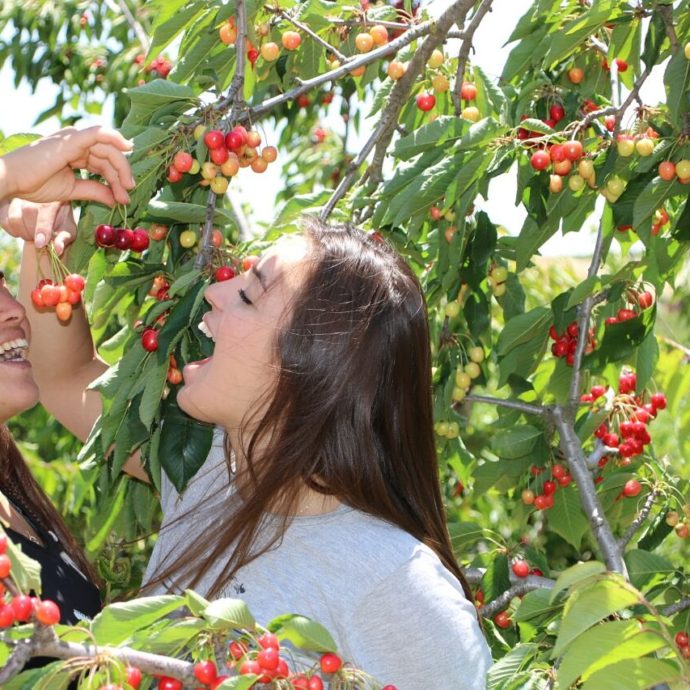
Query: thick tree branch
x=584 y=313
x=637 y=522
x=570 y=445
x=464 y=53
x=520 y=587
x=314 y=36
x=456 y=13
x=679 y=606
x=526 y=408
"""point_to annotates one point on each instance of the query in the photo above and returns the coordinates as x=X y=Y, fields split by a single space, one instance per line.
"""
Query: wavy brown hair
x=350 y=415
x=16 y=479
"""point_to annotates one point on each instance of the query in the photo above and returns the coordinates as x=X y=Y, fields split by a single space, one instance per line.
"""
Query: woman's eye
x=244 y=298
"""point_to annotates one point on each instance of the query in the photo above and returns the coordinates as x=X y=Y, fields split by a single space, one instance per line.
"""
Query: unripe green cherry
x=476 y=354
x=453 y=430
x=458 y=394
x=500 y=290
x=576 y=182
x=473 y=369
x=442 y=428
x=500 y=274
x=462 y=379
x=452 y=309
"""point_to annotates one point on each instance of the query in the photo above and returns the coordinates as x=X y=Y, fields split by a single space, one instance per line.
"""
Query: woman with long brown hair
x=326 y=499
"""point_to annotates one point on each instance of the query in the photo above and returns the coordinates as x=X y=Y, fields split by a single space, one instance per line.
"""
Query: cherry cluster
x=122 y=238
x=238 y=148
x=627 y=426
x=21 y=608
x=673 y=519
x=521 y=568
x=61 y=296
x=643 y=300
x=544 y=500
x=498 y=275
x=683 y=643
x=565 y=343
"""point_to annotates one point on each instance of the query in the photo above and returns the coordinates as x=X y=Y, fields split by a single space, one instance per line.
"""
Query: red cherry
x=268 y=641
x=468 y=91
x=5 y=565
x=205 y=672
x=621 y=64
x=48 y=612
x=105 y=235
x=611 y=440
x=315 y=683
x=597 y=391
x=174 y=175
x=50 y=294
x=573 y=150
x=521 y=568
x=502 y=620
x=123 y=238
x=557 y=112
x=252 y=55
x=250 y=666
x=682 y=639
x=6 y=616
x=223 y=273
x=3 y=543
x=610 y=122
x=183 y=161
x=426 y=101
x=632 y=488
x=74 y=282
x=303 y=101
x=234 y=140
x=133 y=676
x=540 y=160
x=565 y=480
x=214 y=139
x=549 y=487
x=541 y=502
x=237 y=650
x=268 y=658
x=645 y=300
x=558 y=471
x=218 y=681
x=560 y=348
x=166 y=683
x=330 y=663
x=149 y=339
x=658 y=401
x=626 y=314
x=140 y=240
x=22 y=607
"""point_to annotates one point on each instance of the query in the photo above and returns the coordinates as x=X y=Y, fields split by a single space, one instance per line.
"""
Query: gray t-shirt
x=393 y=609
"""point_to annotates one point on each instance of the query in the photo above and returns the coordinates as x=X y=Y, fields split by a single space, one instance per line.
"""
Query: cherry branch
x=520 y=587
x=634 y=94
x=456 y=13
x=365 y=21
x=666 y=12
x=590 y=117
x=526 y=408
x=677 y=607
x=138 y=29
x=389 y=48
x=570 y=445
x=637 y=522
x=600 y=451
x=314 y=35
x=44 y=642
x=599 y=45
x=464 y=53
x=584 y=313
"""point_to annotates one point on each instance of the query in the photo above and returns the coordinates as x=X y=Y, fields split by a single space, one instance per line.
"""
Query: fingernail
x=40 y=241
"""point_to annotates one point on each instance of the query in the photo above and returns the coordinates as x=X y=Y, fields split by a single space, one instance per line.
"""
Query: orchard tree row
x=559 y=411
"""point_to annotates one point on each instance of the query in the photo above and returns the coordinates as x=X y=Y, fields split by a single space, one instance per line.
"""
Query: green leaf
x=647 y=358
x=575 y=575
x=604 y=645
x=535 y=604
x=644 y=566
x=443 y=130
x=586 y=607
x=632 y=674
x=181 y=212
x=515 y=442
x=496 y=579
x=117 y=622
x=160 y=92
x=170 y=20
x=238 y=682
x=652 y=197
x=566 y=517
x=196 y=603
x=514 y=661
x=226 y=614
x=677 y=82
x=184 y=445
x=26 y=572
x=533 y=324
x=303 y=632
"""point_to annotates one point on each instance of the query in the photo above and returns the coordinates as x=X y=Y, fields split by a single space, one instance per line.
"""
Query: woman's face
x=246 y=315
x=18 y=390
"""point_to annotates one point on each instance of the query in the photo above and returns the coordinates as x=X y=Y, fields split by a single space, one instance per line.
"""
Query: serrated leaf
x=523 y=328
x=566 y=517
x=181 y=212
x=644 y=673
x=677 y=82
x=303 y=632
x=644 y=566
x=226 y=614
x=515 y=442
x=576 y=574
x=513 y=662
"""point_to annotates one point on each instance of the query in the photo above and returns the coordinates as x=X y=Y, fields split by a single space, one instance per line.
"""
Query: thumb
x=46 y=221
x=90 y=190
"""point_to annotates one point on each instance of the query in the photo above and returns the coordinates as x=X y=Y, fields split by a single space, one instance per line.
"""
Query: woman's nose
x=11 y=311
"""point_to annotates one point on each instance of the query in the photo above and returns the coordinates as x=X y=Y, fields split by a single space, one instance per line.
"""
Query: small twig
x=674 y=344
x=138 y=29
x=584 y=312
x=570 y=445
x=519 y=588
x=315 y=36
x=635 y=93
x=600 y=451
x=526 y=408
x=590 y=117
x=204 y=255
x=666 y=12
x=599 y=45
x=464 y=53
x=679 y=606
x=637 y=522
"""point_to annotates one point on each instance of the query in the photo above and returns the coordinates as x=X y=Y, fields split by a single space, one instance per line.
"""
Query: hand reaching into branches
x=43 y=171
x=39 y=223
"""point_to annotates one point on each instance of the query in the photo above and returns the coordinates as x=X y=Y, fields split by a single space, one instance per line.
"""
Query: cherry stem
x=315 y=36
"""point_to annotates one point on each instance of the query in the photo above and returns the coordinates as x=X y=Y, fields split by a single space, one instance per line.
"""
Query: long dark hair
x=351 y=412
x=17 y=483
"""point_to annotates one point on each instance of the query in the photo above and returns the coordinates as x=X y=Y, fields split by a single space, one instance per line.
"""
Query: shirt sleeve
x=416 y=630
